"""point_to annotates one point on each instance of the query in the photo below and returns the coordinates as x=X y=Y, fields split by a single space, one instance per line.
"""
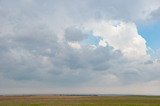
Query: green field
x=79 y=101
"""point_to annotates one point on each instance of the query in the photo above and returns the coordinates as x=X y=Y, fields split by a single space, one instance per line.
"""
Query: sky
x=151 y=34
x=80 y=47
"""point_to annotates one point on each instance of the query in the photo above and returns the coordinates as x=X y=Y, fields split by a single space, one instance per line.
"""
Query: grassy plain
x=79 y=100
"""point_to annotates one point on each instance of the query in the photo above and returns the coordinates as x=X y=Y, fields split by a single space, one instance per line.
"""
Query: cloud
x=121 y=35
x=155 y=15
x=74 y=35
x=46 y=44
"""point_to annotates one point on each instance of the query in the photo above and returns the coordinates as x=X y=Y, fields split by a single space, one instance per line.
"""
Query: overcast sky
x=80 y=46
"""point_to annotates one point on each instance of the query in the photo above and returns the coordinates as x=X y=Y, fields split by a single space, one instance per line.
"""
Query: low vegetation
x=79 y=101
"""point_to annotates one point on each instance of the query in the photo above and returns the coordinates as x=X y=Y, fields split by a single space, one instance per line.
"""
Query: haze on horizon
x=80 y=47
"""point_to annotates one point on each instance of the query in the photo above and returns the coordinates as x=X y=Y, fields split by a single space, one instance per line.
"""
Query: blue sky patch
x=91 y=40
x=151 y=33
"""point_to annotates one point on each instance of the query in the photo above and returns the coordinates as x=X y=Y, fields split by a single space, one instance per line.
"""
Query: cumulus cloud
x=73 y=34
x=155 y=15
x=45 y=44
x=120 y=35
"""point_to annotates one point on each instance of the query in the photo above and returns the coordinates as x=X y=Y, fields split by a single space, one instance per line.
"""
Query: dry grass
x=79 y=101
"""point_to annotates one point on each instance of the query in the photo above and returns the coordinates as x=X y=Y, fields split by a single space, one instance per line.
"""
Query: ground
x=79 y=100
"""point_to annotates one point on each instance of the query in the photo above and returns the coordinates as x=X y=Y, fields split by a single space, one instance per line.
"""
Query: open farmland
x=79 y=101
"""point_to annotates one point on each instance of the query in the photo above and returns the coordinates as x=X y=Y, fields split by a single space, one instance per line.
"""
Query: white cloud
x=75 y=45
x=103 y=43
x=123 y=36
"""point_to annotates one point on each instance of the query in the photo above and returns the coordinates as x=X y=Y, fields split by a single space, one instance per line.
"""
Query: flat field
x=79 y=100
